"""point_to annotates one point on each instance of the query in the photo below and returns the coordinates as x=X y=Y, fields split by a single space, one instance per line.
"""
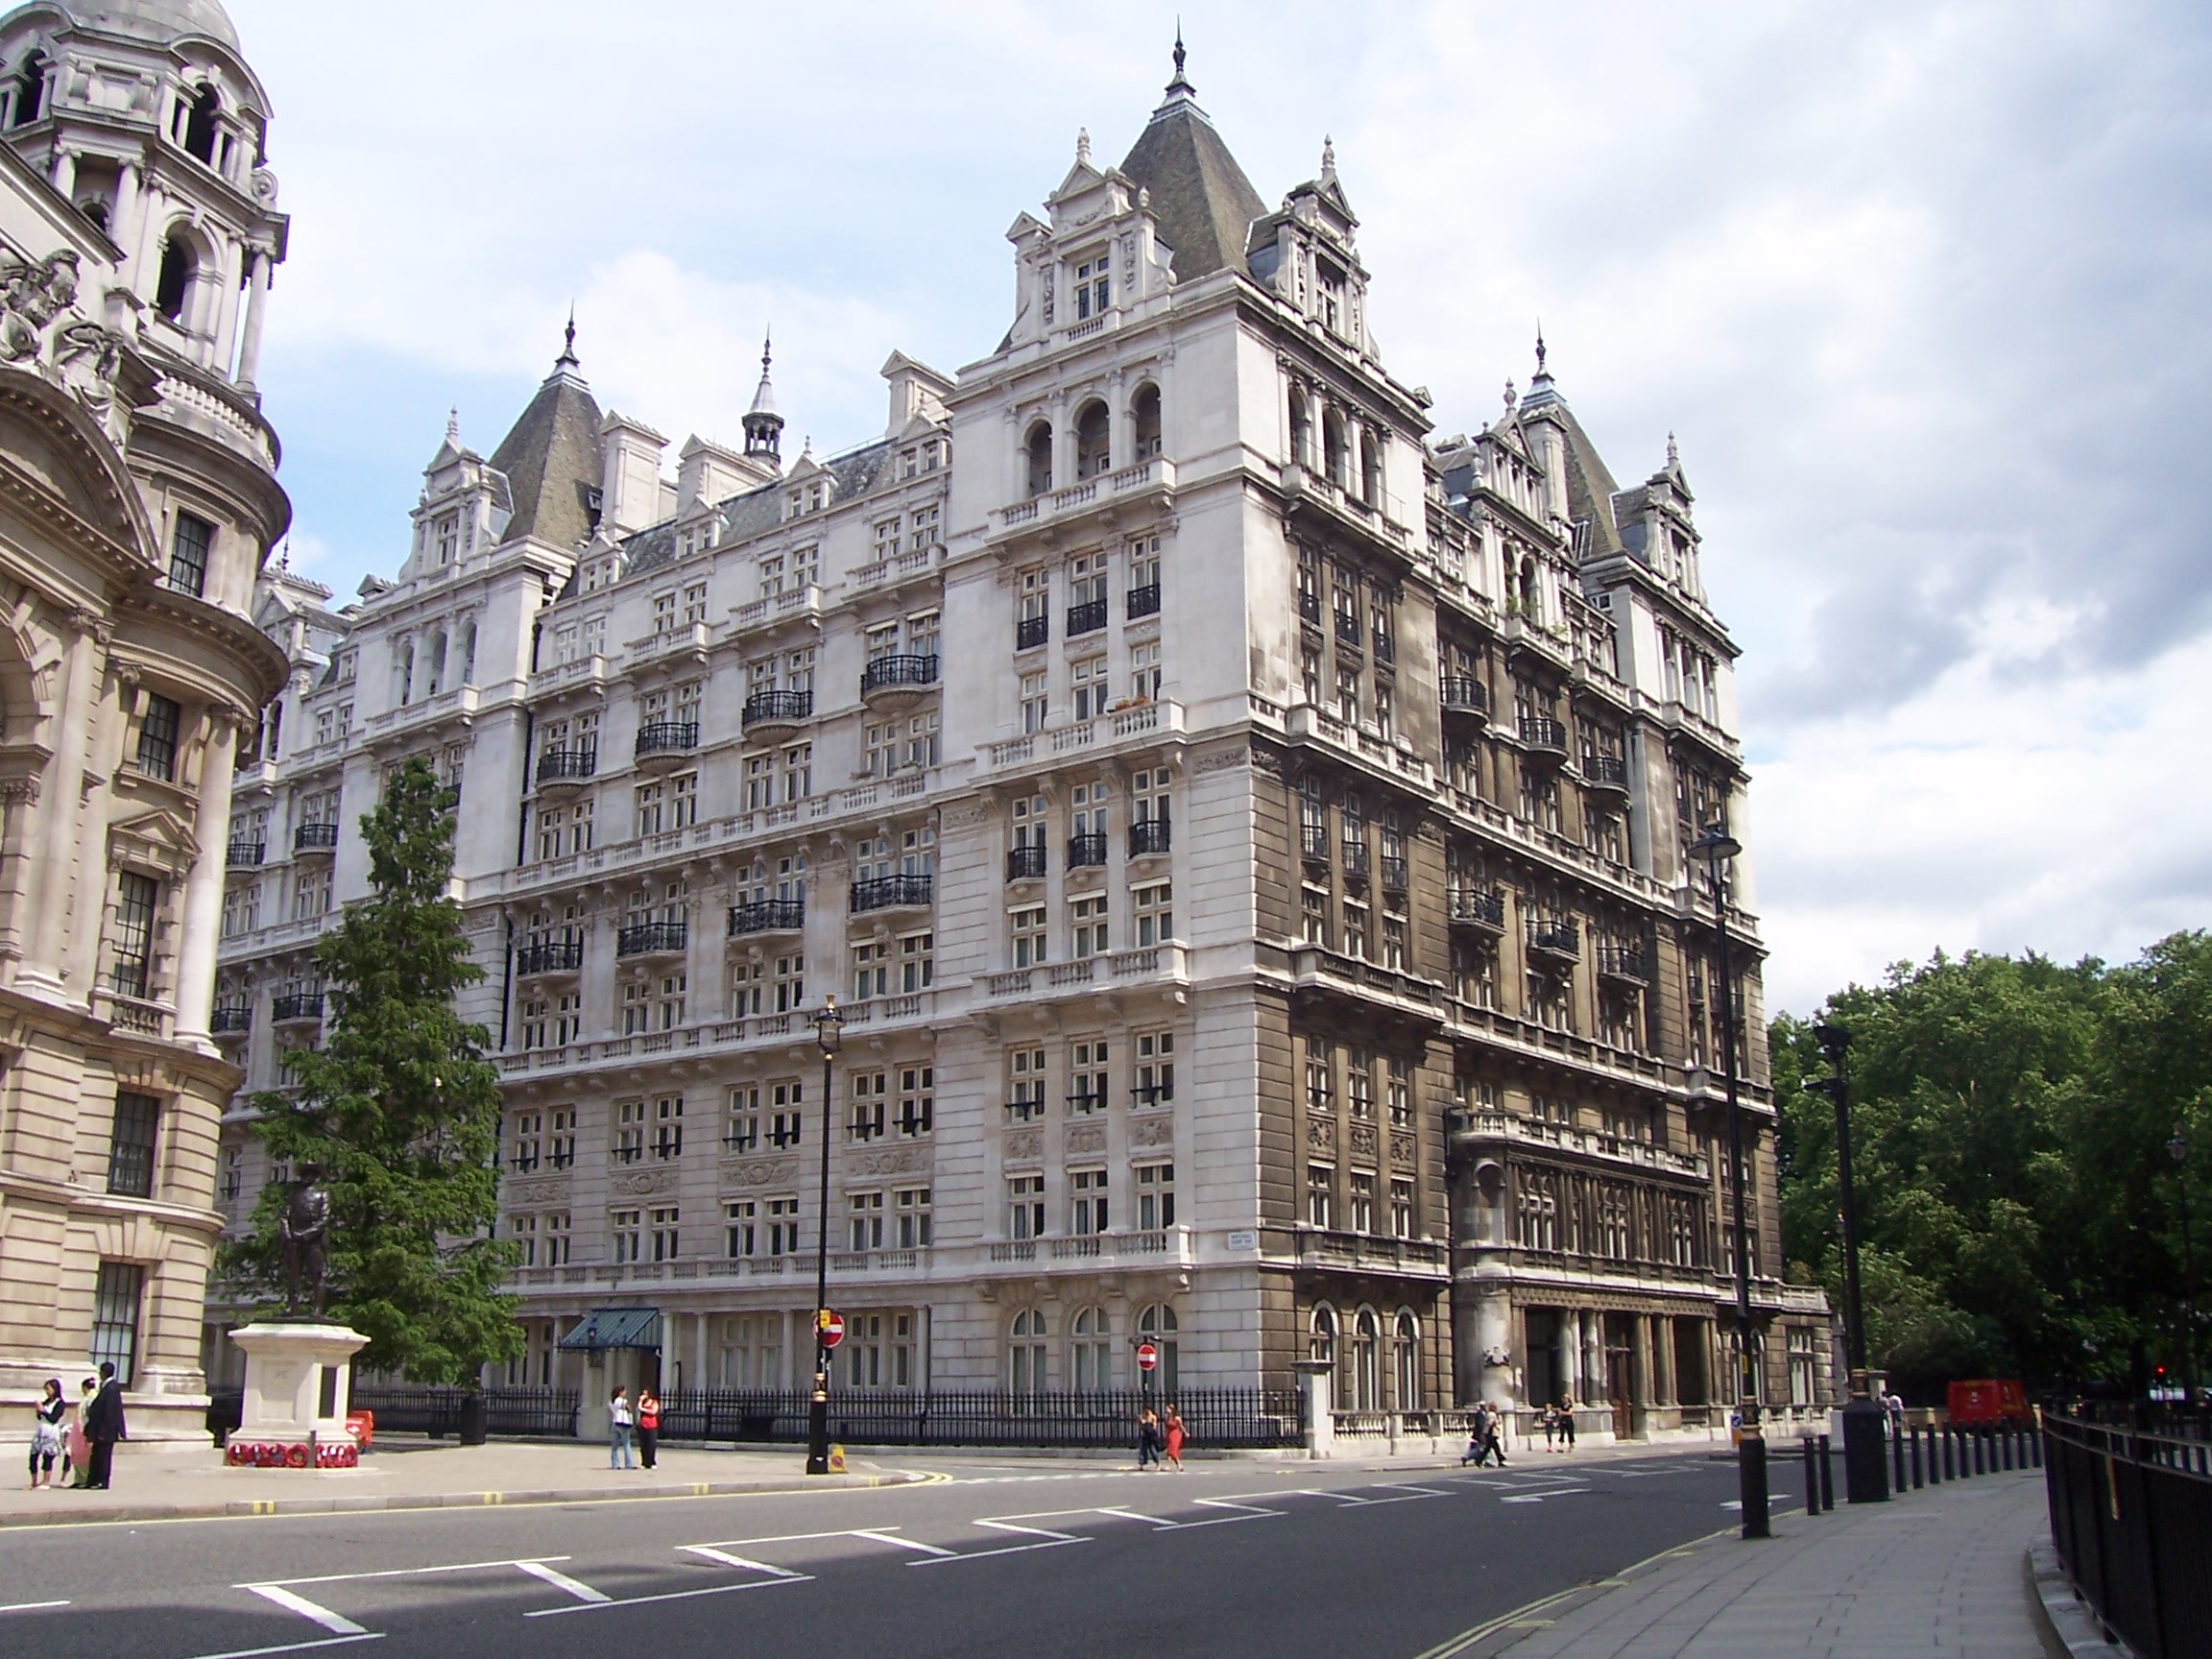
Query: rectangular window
x=1028 y=926
x=1155 y=1196
x=115 y=1300
x=867 y=1120
x=629 y=1144
x=744 y=1132
x=782 y=1226
x=1025 y=1195
x=1026 y=1070
x=1155 y=1084
x=1320 y=1195
x=130 y=1145
x=1087 y=918
x=1087 y=689
x=917 y=963
x=137 y=898
x=1320 y=1078
x=1401 y=1091
x=524 y=1231
x=1093 y=286
x=1036 y=702
x=1088 y=1078
x=741 y=1221
x=189 y=550
x=668 y=1126
x=917 y=1099
x=1145 y=672
x=913 y=1219
x=158 y=729
x=651 y=806
x=798 y=772
x=1362 y=1202
x=864 y=1214
x=665 y=1241
x=561 y=1149
x=683 y=801
x=1155 y=914
x=787 y=1114
x=1401 y=1209
x=1087 y=1201
x=626 y=1236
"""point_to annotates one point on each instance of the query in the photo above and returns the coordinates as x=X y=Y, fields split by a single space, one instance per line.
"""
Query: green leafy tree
x=400 y=1111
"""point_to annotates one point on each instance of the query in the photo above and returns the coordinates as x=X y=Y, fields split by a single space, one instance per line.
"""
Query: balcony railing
x=1086 y=617
x=1032 y=632
x=315 y=838
x=1386 y=647
x=778 y=707
x=1356 y=859
x=889 y=892
x=1142 y=601
x=1543 y=736
x=1605 y=772
x=1148 y=837
x=1558 y=937
x=1087 y=852
x=1314 y=842
x=1393 y=874
x=1025 y=1111
x=889 y=673
x=1347 y=629
x=1625 y=962
x=1310 y=608
x=1482 y=907
x=651 y=938
x=1024 y=863
x=1463 y=694
x=549 y=956
x=246 y=854
x=669 y=737
x=768 y=916
x=300 y=1005
x=566 y=765
x=232 y=1017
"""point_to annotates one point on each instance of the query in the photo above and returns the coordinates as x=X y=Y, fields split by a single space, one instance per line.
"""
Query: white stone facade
x=1239 y=834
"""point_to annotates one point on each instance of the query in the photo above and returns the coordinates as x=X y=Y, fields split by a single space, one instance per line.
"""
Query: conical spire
x=567 y=357
x=1179 y=81
x=764 y=396
x=1540 y=390
x=453 y=425
x=763 y=427
x=1200 y=197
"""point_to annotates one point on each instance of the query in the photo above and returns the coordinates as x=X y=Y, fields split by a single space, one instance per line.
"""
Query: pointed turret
x=551 y=455
x=763 y=427
x=1200 y=198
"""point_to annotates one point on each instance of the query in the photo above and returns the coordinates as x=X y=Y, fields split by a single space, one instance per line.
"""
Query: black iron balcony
x=1314 y=842
x=1032 y=632
x=315 y=838
x=561 y=1157
x=1626 y=963
x=891 y=892
x=1465 y=696
x=1151 y=1093
x=1025 y=1111
x=1393 y=873
x=1483 y=908
x=246 y=854
x=1026 y=863
x=1310 y=608
x=1386 y=647
x=1605 y=774
x=1356 y=859
x=652 y=938
x=1556 y=937
x=768 y=916
x=232 y=1017
x=888 y=676
x=1142 y=601
x=777 y=709
x=298 y=1006
x=1348 y=629
x=671 y=737
x=549 y=956
x=557 y=766
x=1087 y=852
x=1148 y=838
x=1543 y=738
x=1086 y=617
x=626 y=1154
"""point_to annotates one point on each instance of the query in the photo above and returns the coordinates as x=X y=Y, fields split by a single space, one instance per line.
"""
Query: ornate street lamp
x=2179 y=1146
x=1865 y=1474
x=1716 y=847
x=829 y=1034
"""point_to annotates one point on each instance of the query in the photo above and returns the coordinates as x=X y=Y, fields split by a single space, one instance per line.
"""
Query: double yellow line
x=1527 y=1613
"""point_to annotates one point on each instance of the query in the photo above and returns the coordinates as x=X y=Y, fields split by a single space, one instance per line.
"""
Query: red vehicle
x=1989 y=1401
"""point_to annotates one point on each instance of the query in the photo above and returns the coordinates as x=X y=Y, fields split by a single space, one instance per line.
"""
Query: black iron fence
x=420 y=1408
x=2131 y=1521
x=1215 y=1418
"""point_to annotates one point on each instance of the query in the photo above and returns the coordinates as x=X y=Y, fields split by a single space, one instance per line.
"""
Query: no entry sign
x=1147 y=1356
x=832 y=1326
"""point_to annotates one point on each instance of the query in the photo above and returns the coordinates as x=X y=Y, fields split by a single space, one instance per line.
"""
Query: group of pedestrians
x=625 y=1421
x=81 y=1434
x=1485 y=1438
x=1159 y=1439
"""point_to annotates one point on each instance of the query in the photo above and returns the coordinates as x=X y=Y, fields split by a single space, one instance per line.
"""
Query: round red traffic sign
x=832 y=1326
x=1147 y=1356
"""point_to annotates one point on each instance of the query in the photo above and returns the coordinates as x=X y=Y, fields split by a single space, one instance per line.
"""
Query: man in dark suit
x=103 y=1426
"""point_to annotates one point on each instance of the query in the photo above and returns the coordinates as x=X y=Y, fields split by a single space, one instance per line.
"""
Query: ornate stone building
x=137 y=501
x=1244 y=837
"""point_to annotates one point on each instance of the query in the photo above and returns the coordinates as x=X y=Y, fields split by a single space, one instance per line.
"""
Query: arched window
x=1336 y=453
x=1094 y=1353
x=1093 y=442
x=1405 y=1360
x=436 y=666
x=1146 y=409
x=1321 y=1334
x=1039 y=445
x=1363 y=1379
x=1157 y=1325
x=31 y=90
x=200 y=125
x=172 y=288
x=1025 y=1354
x=1370 y=468
x=469 y=653
x=1529 y=600
x=1301 y=429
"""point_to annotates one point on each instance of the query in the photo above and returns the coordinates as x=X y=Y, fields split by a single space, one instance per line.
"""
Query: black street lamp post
x=2179 y=1146
x=1865 y=1474
x=1717 y=847
x=828 y=1033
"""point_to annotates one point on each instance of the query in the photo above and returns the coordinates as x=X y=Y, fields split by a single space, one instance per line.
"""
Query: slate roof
x=757 y=512
x=551 y=459
x=1200 y=197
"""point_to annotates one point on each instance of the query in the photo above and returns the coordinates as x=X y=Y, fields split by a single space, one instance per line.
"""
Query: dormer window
x=1094 y=287
x=793 y=504
x=1332 y=285
x=200 y=132
x=449 y=538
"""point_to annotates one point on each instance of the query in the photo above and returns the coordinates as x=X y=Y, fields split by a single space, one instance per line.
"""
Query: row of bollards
x=1925 y=1456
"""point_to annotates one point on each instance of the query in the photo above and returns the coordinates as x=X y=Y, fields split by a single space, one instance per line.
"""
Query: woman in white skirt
x=46 y=1434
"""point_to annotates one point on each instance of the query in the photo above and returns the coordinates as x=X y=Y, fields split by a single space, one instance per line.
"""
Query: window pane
x=130 y=1149
x=116 y=1318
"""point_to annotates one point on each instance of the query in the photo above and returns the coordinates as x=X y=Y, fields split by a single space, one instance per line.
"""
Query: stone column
x=1665 y=1387
x=203 y=889
x=257 y=302
x=1640 y=1391
x=1593 y=1356
x=1566 y=1366
x=1493 y=1334
x=84 y=643
x=123 y=221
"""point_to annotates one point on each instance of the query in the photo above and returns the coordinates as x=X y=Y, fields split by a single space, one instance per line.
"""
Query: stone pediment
x=159 y=842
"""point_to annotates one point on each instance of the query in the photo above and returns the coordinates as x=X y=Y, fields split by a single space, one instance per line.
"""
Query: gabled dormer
x=1657 y=526
x=1099 y=257
x=808 y=488
x=1305 y=251
x=465 y=509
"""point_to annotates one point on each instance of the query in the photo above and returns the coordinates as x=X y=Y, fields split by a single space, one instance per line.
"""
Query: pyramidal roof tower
x=551 y=455
x=1202 y=200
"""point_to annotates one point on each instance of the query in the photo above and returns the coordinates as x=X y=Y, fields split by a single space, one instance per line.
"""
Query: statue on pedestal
x=305 y=1227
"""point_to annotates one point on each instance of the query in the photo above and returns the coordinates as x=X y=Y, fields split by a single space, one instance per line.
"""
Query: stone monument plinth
x=297 y=1389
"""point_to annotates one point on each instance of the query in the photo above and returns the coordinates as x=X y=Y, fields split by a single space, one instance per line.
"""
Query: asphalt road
x=1030 y=1559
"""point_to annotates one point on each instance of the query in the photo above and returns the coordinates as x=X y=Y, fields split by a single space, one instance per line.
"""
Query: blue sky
x=1920 y=287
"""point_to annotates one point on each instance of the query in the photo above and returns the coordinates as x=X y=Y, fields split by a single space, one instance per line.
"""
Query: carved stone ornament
x=1364 y=1140
x=537 y=1192
x=1152 y=1132
x=40 y=329
x=765 y=1172
x=1320 y=1132
x=895 y=1160
x=1025 y=1146
x=645 y=1182
x=1086 y=1137
x=1402 y=1149
x=1223 y=761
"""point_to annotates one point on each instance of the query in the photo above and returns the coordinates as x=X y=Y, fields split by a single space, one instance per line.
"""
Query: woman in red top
x=648 y=1424
x=1174 y=1439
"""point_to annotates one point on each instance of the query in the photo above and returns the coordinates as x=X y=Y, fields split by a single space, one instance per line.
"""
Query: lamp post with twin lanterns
x=1717 y=848
x=829 y=1033
x=1865 y=1473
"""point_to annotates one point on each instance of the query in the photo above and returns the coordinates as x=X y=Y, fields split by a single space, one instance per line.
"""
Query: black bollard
x=1950 y=1467
x=1898 y=1456
x=1812 y=1475
x=1935 y=1456
x=1980 y=1451
x=1827 y=1477
x=2035 y=1444
x=1918 y=1480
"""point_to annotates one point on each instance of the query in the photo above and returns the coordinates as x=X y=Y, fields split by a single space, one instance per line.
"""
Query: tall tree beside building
x=400 y=1111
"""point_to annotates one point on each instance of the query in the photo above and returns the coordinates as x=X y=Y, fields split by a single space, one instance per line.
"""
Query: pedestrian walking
x=1566 y=1423
x=1478 y=1440
x=76 y=1450
x=104 y=1427
x=1174 y=1428
x=1894 y=1404
x=1493 y=1431
x=1148 y=1439
x=648 y=1425
x=619 y=1422
x=46 y=1433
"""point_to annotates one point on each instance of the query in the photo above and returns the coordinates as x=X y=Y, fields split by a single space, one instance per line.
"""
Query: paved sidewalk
x=416 y=1474
x=1938 y=1572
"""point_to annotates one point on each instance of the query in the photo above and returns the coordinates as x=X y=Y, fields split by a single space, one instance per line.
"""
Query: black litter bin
x=472 y=1419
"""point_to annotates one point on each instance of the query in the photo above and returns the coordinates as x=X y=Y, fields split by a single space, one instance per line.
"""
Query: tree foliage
x=2020 y=1213
x=400 y=1110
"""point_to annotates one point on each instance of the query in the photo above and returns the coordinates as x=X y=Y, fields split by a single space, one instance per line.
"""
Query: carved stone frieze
x=1364 y=1140
x=1086 y=1137
x=1223 y=761
x=762 y=1172
x=1320 y=1132
x=643 y=1182
x=1152 y=1132
x=892 y=1161
x=1025 y=1146
x=1402 y=1149
x=541 y=1191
